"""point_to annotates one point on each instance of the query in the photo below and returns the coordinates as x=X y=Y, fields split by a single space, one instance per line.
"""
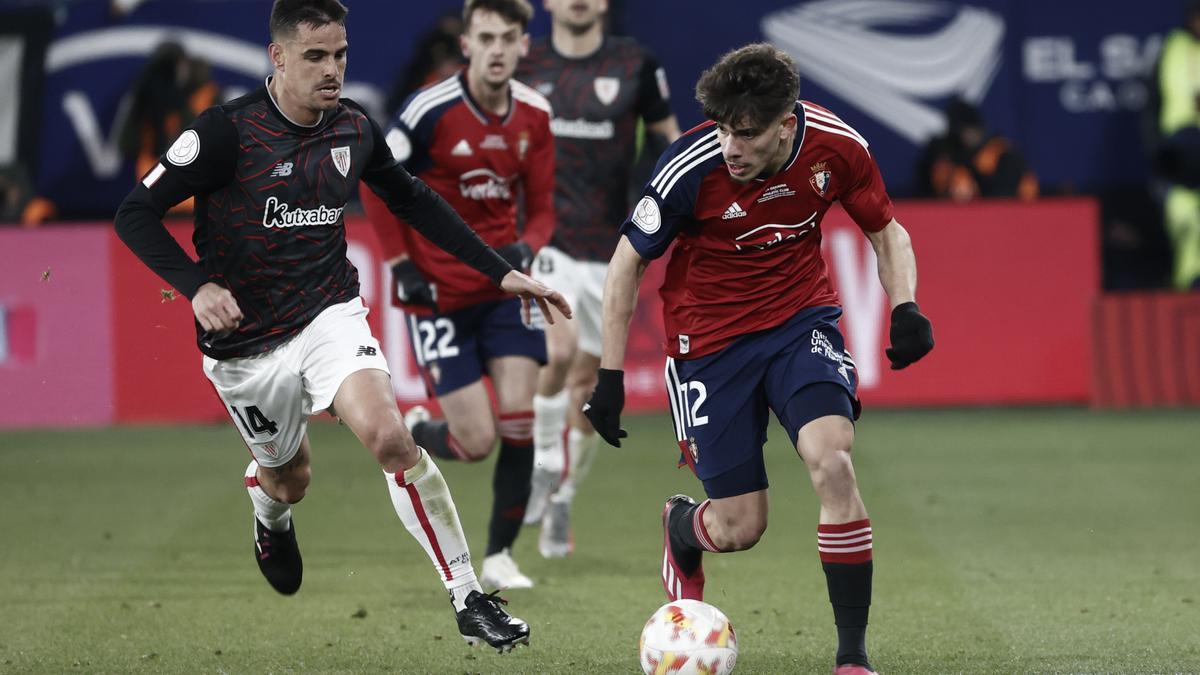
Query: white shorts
x=582 y=283
x=271 y=395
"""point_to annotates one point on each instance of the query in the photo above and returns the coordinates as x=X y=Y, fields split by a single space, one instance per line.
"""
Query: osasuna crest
x=341 y=159
x=820 y=177
x=607 y=89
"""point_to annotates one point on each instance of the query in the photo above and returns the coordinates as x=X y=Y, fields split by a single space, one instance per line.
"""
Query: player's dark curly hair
x=756 y=84
x=516 y=11
x=287 y=15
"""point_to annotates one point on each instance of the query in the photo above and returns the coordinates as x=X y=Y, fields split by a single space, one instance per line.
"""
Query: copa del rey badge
x=607 y=89
x=341 y=159
x=820 y=177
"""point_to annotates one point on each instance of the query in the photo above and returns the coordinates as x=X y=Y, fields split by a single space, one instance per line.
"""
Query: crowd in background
x=1150 y=231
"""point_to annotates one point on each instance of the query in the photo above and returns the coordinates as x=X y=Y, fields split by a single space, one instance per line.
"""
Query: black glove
x=911 y=334
x=603 y=409
x=518 y=254
x=409 y=287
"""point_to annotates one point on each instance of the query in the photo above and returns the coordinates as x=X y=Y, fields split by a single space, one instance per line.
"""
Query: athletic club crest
x=820 y=177
x=341 y=159
x=607 y=89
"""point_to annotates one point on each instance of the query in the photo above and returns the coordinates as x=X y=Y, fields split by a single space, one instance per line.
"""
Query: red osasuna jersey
x=747 y=257
x=480 y=163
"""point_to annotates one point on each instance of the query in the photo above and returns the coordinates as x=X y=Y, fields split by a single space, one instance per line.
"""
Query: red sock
x=845 y=542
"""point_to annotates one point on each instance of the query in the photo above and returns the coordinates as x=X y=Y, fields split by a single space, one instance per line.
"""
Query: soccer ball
x=688 y=637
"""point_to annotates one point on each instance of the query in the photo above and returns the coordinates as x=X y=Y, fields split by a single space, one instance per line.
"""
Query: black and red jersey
x=597 y=101
x=270 y=196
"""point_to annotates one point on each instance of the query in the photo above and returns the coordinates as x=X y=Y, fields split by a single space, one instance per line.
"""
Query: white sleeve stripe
x=434 y=91
x=858 y=139
x=699 y=160
x=528 y=94
x=699 y=146
x=413 y=114
x=835 y=121
x=155 y=173
x=672 y=389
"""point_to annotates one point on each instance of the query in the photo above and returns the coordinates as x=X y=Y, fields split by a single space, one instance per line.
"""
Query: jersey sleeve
x=657 y=218
x=865 y=197
x=423 y=209
x=410 y=145
x=654 y=98
x=201 y=159
x=539 y=189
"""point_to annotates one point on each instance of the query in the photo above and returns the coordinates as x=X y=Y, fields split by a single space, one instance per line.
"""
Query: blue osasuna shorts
x=719 y=402
x=452 y=350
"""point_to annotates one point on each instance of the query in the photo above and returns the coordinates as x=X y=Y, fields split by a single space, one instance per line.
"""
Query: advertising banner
x=56 y=332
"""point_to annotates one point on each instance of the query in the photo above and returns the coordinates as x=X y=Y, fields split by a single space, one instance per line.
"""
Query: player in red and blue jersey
x=480 y=139
x=752 y=320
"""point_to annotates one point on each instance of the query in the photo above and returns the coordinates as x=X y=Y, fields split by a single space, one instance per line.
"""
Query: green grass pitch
x=1006 y=541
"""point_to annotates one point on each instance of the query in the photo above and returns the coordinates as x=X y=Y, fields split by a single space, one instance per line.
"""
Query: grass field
x=1007 y=541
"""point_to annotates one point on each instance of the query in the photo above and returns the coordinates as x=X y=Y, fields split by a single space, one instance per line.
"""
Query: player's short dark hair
x=515 y=11
x=756 y=84
x=287 y=15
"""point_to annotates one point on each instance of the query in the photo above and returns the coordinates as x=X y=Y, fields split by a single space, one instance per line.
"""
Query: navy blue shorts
x=452 y=350
x=720 y=402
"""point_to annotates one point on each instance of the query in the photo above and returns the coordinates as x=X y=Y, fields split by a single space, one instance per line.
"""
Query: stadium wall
x=89 y=336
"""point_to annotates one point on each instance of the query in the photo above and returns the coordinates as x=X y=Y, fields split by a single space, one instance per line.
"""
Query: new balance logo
x=366 y=351
x=282 y=169
x=734 y=211
x=462 y=149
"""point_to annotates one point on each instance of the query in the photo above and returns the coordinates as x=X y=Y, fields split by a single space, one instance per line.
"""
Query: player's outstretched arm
x=911 y=332
x=603 y=409
x=530 y=290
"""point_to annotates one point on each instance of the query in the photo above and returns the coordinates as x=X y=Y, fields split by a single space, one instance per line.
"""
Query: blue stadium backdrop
x=1065 y=80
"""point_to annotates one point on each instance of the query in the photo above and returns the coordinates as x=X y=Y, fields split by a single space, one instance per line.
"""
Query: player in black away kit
x=278 y=313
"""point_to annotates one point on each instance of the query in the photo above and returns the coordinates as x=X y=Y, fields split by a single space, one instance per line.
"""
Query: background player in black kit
x=279 y=320
x=602 y=90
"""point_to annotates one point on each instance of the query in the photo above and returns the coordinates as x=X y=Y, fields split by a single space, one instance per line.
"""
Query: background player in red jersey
x=278 y=313
x=600 y=88
x=479 y=138
x=751 y=319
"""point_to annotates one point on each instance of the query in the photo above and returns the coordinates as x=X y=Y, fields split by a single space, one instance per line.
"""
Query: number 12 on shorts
x=253 y=421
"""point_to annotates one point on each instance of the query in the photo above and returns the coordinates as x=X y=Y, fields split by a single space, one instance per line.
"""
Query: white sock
x=275 y=515
x=549 y=419
x=422 y=500
x=582 y=448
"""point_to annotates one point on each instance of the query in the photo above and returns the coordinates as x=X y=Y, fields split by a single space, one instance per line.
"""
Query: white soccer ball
x=688 y=637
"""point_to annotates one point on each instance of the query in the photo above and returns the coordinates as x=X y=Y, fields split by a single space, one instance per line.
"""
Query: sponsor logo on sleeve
x=185 y=149
x=646 y=215
x=660 y=76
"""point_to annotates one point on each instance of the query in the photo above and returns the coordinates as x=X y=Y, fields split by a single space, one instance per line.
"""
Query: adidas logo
x=282 y=169
x=734 y=211
x=462 y=149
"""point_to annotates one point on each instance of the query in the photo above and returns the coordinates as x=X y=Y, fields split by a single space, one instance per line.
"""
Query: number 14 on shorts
x=253 y=421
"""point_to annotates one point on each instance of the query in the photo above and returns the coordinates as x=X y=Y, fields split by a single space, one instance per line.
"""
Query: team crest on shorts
x=270 y=449
x=694 y=448
x=820 y=177
x=341 y=159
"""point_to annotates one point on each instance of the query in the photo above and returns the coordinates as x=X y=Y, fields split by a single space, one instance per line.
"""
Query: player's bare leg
x=273 y=490
x=468 y=431
x=550 y=409
x=514 y=379
x=556 y=540
x=843 y=534
x=422 y=500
